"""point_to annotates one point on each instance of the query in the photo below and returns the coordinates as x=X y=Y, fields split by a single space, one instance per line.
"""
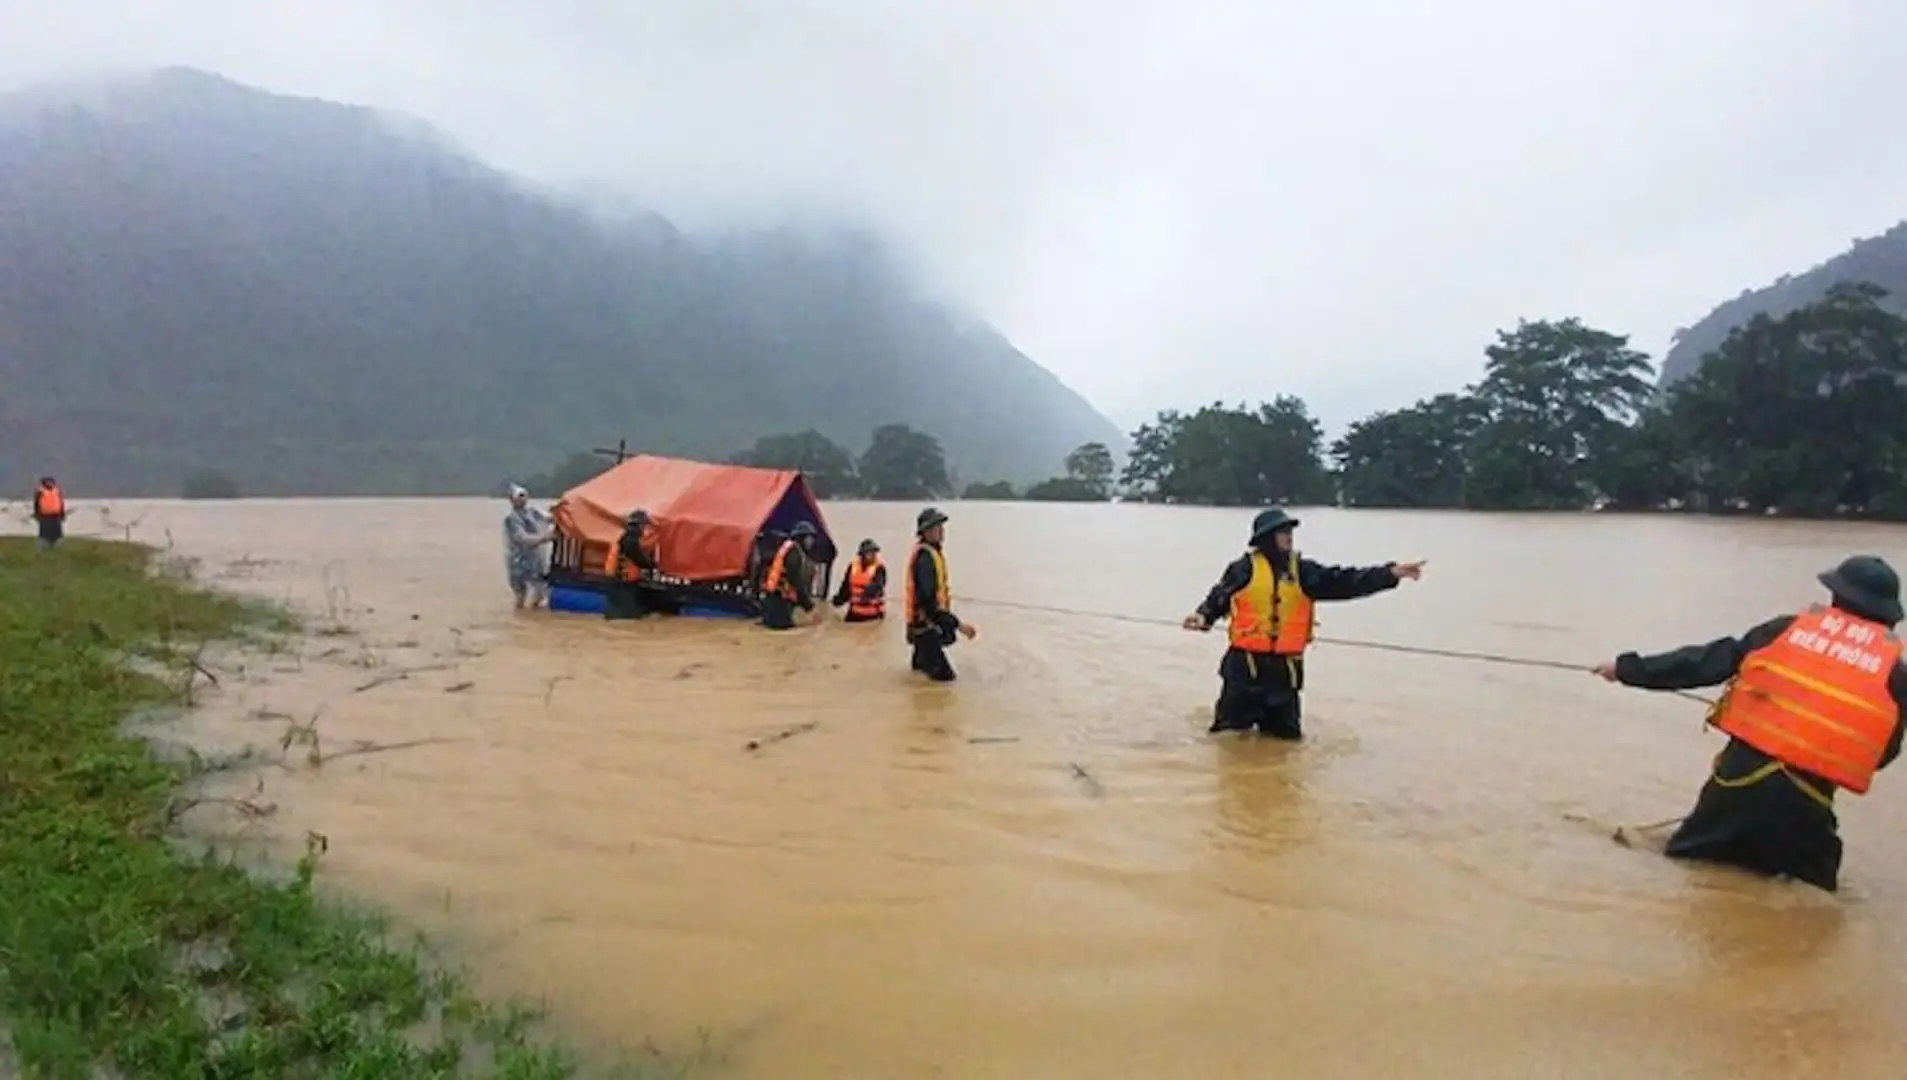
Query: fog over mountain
x=322 y=298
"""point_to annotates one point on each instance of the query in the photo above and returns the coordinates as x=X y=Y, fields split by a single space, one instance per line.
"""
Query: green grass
x=121 y=956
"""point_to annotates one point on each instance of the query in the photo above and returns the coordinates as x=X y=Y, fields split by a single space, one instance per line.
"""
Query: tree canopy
x=1090 y=471
x=1230 y=456
x=899 y=463
x=831 y=471
x=1804 y=414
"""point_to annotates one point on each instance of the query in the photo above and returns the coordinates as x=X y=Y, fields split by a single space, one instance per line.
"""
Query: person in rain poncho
x=526 y=532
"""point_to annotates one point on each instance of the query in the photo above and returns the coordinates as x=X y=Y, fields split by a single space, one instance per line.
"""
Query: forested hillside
x=321 y=299
x=1878 y=260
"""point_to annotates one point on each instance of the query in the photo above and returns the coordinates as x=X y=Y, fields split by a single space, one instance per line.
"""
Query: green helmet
x=1868 y=583
x=1271 y=521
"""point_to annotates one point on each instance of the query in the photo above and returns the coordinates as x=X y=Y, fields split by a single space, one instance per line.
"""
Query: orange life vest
x=775 y=581
x=48 y=502
x=625 y=570
x=860 y=580
x=942 y=588
x=1816 y=698
x=1271 y=614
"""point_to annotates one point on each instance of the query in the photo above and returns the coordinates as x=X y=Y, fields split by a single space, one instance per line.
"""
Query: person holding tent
x=1815 y=701
x=789 y=580
x=631 y=558
x=526 y=532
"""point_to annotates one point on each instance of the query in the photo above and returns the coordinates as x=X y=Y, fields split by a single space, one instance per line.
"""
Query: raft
x=716 y=529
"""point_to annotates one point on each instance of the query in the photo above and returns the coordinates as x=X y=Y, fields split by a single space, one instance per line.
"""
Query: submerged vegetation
x=124 y=954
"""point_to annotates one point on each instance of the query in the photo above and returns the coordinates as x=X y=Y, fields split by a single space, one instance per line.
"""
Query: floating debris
x=785 y=733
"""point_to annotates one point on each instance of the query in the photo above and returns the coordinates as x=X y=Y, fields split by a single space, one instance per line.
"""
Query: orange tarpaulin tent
x=706 y=516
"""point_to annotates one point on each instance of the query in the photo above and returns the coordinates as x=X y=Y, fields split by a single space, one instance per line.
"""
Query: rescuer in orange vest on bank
x=631 y=557
x=49 y=511
x=1267 y=594
x=864 y=586
x=931 y=624
x=789 y=580
x=1814 y=702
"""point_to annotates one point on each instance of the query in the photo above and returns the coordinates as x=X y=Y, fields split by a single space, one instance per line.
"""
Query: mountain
x=1880 y=259
x=324 y=299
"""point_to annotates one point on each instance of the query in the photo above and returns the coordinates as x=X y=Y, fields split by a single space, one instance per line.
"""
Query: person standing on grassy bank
x=122 y=956
x=49 y=512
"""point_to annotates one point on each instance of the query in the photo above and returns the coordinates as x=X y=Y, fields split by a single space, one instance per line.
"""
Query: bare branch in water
x=1091 y=783
x=784 y=733
x=379 y=748
x=400 y=675
x=194 y=668
x=247 y=806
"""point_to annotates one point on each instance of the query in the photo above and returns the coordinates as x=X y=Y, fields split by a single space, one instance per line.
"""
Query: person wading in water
x=1814 y=702
x=631 y=558
x=931 y=624
x=525 y=532
x=789 y=581
x=864 y=586
x=1268 y=594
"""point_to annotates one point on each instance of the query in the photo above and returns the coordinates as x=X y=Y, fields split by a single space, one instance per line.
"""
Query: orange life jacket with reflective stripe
x=775 y=581
x=860 y=580
x=618 y=567
x=49 y=502
x=1816 y=698
x=942 y=588
x=1271 y=614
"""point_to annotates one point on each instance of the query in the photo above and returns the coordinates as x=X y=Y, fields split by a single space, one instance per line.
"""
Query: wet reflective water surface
x=1048 y=869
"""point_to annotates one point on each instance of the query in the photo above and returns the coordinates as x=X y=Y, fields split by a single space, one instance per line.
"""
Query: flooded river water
x=1048 y=870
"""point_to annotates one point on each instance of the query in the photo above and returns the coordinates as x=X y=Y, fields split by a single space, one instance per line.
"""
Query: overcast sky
x=1164 y=203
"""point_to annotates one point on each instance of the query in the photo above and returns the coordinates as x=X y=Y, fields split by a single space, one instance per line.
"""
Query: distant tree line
x=1089 y=477
x=899 y=463
x=1803 y=414
x=210 y=484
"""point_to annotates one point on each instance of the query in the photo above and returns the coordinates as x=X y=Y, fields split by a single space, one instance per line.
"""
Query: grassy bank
x=121 y=954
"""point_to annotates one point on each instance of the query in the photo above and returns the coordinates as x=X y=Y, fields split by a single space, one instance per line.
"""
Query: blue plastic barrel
x=583 y=601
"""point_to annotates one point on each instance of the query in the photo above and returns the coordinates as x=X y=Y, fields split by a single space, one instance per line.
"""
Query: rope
x=1353 y=643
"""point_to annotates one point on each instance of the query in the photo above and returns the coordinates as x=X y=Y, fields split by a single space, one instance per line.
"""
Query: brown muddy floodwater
x=1048 y=870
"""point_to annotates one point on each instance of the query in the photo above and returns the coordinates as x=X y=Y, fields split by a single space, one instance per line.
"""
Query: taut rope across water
x=1385 y=646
